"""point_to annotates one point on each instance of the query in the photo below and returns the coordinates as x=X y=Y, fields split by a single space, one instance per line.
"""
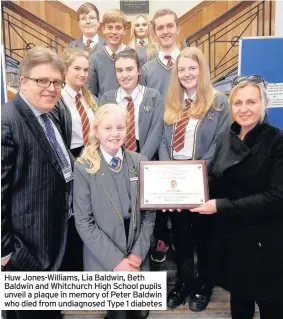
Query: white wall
x=179 y=6
x=278 y=18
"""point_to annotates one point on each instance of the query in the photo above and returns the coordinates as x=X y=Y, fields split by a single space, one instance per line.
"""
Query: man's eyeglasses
x=90 y=19
x=250 y=78
x=45 y=83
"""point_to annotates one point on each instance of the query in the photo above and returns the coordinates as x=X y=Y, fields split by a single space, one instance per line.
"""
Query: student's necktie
x=84 y=118
x=169 y=60
x=88 y=42
x=113 y=56
x=142 y=43
x=179 y=137
x=115 y=163
x=50 y=133
x=131 y=143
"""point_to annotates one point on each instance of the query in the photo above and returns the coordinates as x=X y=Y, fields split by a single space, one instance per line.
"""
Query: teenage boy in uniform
x=88 y=20
x=102 y=75
x=156 y=74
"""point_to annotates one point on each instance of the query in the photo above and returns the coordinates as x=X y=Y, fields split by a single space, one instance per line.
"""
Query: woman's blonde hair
x=68 y=56
x=90 y=154
x=151 y=47
x=204 y=95
x=262 y=90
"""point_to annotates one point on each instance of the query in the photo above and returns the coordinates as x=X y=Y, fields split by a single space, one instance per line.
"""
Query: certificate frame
x=183 y=206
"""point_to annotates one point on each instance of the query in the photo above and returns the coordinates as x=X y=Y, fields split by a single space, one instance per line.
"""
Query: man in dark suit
x=88 y=19
x=36 y=174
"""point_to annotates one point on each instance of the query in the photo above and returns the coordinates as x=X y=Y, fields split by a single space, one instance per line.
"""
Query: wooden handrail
x=37 y=21
x=218 y=21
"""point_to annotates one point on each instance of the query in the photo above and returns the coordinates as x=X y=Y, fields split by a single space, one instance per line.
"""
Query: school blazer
x=150 y=119
x=208 y=129
x=99 y=220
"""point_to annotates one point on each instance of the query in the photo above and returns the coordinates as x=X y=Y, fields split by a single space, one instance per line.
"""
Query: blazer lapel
x=107 y=183
x=38 y=132
x=144 y=121
x=80 y=43
x=134 y=197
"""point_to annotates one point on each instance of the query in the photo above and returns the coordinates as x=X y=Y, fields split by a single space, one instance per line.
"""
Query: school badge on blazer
x=133 y=175
x=147 y=109
x=211 y=115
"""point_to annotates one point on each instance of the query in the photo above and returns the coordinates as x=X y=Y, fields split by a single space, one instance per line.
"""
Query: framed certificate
x=173 y=184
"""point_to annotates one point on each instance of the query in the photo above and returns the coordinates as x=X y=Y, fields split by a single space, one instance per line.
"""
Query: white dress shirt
x=187 y=151
x=94 y=42
x=108 y=157
x=69 y=96
x=137 y=96
x=110 y=52
x=174 y=55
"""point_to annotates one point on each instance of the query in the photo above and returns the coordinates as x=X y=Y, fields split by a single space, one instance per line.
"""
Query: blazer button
x=259 y=245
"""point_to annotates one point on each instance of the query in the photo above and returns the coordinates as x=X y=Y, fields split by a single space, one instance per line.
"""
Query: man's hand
x=135 y=260
x=125 y=265
x=4 y=260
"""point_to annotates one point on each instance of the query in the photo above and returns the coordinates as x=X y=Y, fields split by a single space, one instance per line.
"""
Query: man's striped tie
x=179 y=138
x=84 y=118
x=131 y=143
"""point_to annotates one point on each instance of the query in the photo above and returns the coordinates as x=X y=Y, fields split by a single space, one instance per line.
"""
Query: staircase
x=21 y=31
x=219 y=40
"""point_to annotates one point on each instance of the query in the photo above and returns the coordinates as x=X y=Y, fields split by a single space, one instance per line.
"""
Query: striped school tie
x=88 y=42
x=169 y=60
x=115 y=163
x=179 y=138
x=84 y=118
x=113 y=56
x=141 y=43
x=131 y=143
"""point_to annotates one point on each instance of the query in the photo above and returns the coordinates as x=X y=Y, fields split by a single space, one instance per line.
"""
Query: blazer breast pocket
x=23 y=221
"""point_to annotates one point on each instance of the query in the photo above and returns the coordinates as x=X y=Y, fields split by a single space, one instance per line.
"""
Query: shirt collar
x=192 y=98
x=174 y=54
x=109 y=157
x=110 y=52
x=35 y=111
x=123 y=93
x=94 y=40
x=72 y=93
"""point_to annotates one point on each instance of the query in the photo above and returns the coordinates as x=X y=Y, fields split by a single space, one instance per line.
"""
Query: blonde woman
x=195 y=115
x=141 y=39
x=115 y=233
x=246 y=191
x=74 y=112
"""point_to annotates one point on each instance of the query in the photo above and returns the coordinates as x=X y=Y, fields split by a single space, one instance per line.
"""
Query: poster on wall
x=134 y=6
x=3 y=77
x=269 y=64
